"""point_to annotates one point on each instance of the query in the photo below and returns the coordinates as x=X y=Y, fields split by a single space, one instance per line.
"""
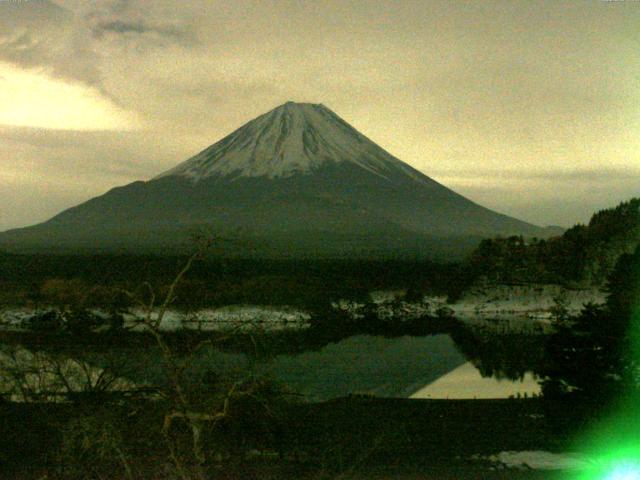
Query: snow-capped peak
x=294 y=138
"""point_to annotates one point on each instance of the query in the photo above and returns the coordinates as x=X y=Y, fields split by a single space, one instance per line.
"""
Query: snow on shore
x=535 y=301
x=538 y=460
x=236 y=317
x=526 y=305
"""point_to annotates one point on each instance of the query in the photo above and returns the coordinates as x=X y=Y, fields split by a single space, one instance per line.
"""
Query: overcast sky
x=531 y=108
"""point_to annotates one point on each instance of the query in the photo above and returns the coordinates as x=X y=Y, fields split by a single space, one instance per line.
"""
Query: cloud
x=108 y=157
x=42 y=35
x=138 y=22
x=140 y=27
x=34 y=99
x=506 y=100
x=546 y=197
x=81 y=41
x=602 y=174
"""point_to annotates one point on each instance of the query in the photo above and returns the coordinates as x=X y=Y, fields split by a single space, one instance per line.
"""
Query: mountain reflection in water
x=467 y=362
x=466 y=381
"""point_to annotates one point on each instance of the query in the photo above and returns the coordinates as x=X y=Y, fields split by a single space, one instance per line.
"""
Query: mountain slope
x=291 y=139
x=296 y=181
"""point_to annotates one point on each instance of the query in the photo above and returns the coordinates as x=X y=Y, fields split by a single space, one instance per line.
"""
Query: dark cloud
x=66 y=39
x=41 y=34
x=140 y=27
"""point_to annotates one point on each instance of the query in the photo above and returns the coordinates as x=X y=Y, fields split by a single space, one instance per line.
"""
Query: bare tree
x=184 y=404
x=190 y=410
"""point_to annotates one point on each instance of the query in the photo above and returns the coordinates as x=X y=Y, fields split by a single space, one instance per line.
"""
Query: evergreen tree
x=597 y=353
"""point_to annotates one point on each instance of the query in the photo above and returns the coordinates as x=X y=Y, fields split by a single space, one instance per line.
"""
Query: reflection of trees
x=507 y=355
x=392 y=320
x=40 y=376
x=327 y=324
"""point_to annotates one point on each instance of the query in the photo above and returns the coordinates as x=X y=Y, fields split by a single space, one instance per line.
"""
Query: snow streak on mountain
x=295 y=138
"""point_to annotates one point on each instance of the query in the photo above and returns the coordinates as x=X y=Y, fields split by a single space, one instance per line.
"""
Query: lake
x=417 y=367
x=467 y=363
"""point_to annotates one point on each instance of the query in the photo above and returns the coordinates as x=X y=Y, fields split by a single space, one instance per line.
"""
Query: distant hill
x=584 y=255
x=297 y=181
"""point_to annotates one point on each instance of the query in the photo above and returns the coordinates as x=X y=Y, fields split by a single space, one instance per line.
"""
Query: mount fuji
x=296 y=181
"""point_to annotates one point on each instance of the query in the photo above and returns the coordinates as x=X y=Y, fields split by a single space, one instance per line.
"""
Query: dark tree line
x=597 y=353
x=44 y=279
x=584 y=254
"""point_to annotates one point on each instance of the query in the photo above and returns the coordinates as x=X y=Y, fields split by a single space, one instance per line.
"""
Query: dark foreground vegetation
x=596 y=354
x=353 y=437
x=188 y=426
x=251 y=427
x=35 y=280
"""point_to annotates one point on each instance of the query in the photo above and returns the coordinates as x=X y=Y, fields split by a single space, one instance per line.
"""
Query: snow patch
x=295 y=138
x=233 y=317
x=538 y=460
x=530 y=301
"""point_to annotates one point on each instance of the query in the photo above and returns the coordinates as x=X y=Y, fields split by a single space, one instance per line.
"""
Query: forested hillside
x=584 y=255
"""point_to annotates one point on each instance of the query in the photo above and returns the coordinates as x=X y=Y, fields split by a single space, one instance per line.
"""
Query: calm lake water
x=386 y=367
x=463 y=364
x=416 y=367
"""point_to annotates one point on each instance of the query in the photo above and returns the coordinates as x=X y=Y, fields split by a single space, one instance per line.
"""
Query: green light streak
x=624 y=471
x=614 y=443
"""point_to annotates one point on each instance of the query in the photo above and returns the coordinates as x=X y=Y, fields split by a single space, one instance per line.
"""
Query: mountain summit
x=294 y=138
x=297 y=181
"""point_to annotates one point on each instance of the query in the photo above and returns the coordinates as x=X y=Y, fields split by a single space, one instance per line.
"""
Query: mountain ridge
x=338 y=194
